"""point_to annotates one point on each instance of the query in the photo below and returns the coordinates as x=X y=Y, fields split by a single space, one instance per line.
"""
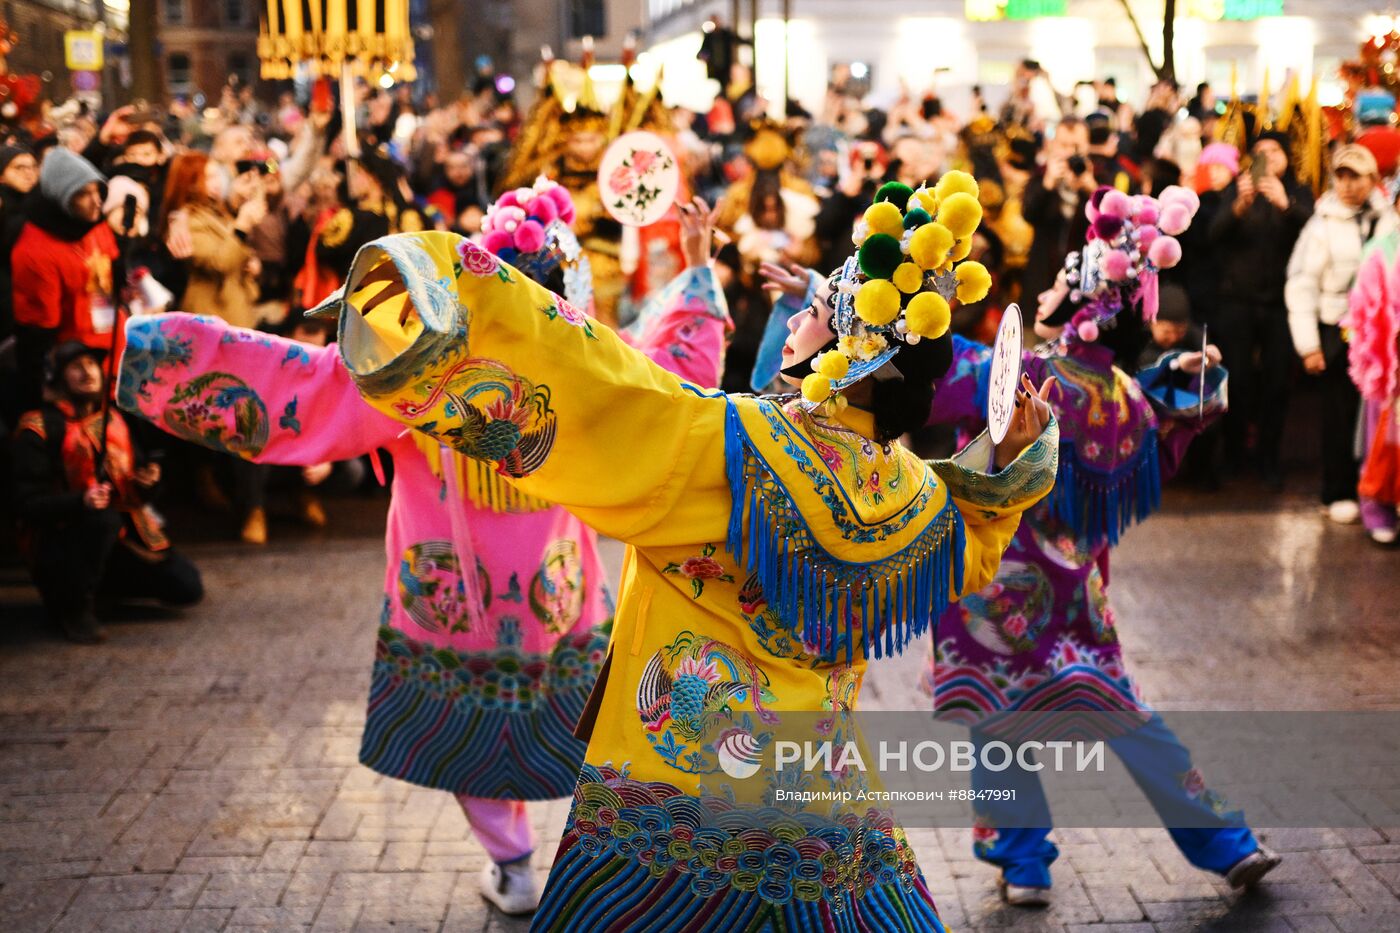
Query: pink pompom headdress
x=1131 y=239
x=530 y=228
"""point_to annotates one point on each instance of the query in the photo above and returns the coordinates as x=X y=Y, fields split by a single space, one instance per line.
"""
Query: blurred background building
x=953 y=45
x=949 y=46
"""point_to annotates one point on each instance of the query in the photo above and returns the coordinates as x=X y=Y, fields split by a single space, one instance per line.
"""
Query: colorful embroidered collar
x=841 y=530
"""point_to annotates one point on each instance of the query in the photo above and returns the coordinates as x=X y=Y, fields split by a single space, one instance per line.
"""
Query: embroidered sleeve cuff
x=702 y=283
x=1023 y=481
x=1179 y=396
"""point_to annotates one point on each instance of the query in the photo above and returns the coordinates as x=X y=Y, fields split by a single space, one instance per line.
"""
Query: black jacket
x=1254 y=248
x=1200 y=271
x=835 y=218
x=1055 y=235
x=40 y=488
x=14 y=209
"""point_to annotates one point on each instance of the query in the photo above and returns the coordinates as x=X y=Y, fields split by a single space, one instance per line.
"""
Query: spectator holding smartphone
x=1054 y=205
x=1261 y=215
x=855 y=191
x=223 y=271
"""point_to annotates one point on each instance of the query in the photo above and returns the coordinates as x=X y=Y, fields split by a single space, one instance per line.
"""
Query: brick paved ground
x=199 y=772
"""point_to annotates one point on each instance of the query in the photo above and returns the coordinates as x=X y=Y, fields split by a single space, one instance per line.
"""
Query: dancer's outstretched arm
x=443 y=337
x=244 y=392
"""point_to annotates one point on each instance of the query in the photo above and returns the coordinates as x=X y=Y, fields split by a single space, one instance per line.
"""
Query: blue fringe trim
x=1100 y=506
x=893 y=600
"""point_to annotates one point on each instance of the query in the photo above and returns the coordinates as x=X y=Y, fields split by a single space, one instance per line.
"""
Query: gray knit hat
x=65 y=173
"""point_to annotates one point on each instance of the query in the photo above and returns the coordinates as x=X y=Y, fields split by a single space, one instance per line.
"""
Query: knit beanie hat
x=1173 y=304
x=1221 y=154
x=9 y=153
x=65 y=173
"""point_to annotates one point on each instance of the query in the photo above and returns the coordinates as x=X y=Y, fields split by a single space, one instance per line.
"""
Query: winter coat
x=1199 y=271
x=1055 y=235
x=13 y=216
x=1254 y=248
x=218 y=282
x=61 y=272
x=1324 y=263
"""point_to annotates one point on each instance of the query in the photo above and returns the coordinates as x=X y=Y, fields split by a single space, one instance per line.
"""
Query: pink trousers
x=501 y=826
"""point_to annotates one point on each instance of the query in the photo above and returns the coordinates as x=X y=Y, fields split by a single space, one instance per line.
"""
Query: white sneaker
x=1251 y=869
x=1383 y=535
x=511 y=888
x=1021 y=896
x=1344 y=512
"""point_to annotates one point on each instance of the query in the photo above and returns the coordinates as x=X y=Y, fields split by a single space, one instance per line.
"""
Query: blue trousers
x=1157 y=760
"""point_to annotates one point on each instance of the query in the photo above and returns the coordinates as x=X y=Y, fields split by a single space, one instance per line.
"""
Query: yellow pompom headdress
x=909 y=267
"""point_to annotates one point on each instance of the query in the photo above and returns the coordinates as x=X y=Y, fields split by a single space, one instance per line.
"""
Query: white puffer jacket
x=1324 y=263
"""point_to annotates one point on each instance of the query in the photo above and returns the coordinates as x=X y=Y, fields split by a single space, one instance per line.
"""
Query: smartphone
x=1258 y=168
x=321 y=96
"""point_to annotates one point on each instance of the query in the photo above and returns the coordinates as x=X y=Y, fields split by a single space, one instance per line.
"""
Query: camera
x=1078 y=165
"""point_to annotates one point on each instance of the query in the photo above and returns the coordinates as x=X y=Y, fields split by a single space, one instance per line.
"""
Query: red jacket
x=55 y=282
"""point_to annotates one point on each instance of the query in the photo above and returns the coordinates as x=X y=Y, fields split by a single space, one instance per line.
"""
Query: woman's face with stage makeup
x=808 y=331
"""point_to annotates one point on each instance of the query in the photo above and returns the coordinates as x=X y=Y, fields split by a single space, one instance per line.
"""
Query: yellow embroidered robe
x=772 y=552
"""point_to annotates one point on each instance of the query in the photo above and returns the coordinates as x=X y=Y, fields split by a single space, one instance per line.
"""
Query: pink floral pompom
x=1107 y=226
x=1175 y=219
x=1148 y=212
x=1088 y=330
x=1115 y=265
x=1165 y=252
x=567 y=213
x=1090 y=211
x=523 y=196
x=496 y=240
x=508 y=219
x=1116 y=204
x=507 y=200
x=543 y=209
x=1187 y=198
x=529 y=236
x=560 y=196
x=1146 y=236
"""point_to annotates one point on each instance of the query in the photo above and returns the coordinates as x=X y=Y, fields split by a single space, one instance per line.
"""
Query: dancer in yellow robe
x=776 y=545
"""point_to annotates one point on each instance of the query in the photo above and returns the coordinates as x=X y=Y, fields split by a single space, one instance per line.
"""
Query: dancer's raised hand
x=1032 y=415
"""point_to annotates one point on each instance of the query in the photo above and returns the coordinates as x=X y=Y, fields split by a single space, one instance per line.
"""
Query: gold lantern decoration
x=364 y=38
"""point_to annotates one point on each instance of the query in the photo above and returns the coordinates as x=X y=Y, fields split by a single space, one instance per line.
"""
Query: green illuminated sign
x=1252 y=9
x=1034 y=9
